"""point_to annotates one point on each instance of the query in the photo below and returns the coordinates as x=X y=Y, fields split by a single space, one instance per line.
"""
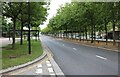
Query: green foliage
x=89 y=17
x=18 y=12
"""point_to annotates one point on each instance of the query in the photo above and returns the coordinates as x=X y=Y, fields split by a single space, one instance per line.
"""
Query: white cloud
x=55 y=4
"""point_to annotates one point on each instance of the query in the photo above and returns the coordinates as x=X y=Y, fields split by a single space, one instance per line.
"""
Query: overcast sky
x=55 y=4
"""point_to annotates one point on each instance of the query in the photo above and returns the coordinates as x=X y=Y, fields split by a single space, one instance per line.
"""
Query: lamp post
x=29 y=41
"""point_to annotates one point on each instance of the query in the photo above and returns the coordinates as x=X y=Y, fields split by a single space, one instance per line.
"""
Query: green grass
x=20 y=54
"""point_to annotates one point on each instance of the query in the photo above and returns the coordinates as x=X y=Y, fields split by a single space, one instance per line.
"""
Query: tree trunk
x=75 y=32
x=94 y=33
x=80 y=34
x=84 y=36
x=71 y=34
x=92 y=25
x=36 y=34
x=14 y=33
x=106 y=30
x=113 y=24
x=21 y=33
x=21 y=40
x=66 y=31
x=86 y=32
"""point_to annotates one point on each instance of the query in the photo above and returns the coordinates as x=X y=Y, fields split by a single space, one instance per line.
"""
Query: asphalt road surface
x=76 y=59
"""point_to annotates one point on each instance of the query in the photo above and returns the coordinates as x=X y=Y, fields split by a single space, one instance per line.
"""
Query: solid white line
x=74 y=48
x=38 y=71
x=39 y=66
x=98 y=47
x=50 y=69
x=101 y=57
x=49 y=65
x=107 y=49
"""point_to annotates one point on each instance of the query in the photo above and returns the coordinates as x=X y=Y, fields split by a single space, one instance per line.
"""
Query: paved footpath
x=6 y=41
x=40 y=68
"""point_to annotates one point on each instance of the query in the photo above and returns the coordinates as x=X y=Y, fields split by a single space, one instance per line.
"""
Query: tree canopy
x=86 y=17
x=18 y=12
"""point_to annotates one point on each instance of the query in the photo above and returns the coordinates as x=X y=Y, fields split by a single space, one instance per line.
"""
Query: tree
x=87 y=18
x=38 y=15
x=12 y=10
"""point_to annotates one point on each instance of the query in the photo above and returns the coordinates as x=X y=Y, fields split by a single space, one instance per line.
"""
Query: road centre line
x=101 y=57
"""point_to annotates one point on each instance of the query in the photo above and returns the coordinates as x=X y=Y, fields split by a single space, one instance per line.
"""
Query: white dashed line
x=48 y=62
x=74 y=48
x=52 y=74
x=101 y=57
x=39 y=66
x=49 y=65
x=39 y=71
x=50 y=70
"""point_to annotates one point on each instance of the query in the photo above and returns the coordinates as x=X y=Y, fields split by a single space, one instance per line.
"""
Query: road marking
x=49 y=65
x=38 y=71
x=50 y=70
x=63 y=45
x=52 y=74
x=107 y=49
x=48 y=62
x=74 y=48
x=101 y=57
x=98 y=47
x=39 y=66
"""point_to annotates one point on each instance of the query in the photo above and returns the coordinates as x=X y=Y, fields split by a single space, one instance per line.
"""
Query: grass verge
x=20 y=54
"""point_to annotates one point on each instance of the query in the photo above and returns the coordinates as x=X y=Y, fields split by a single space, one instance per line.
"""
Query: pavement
x=6 y=41
x=76 y=59
x=43 y=67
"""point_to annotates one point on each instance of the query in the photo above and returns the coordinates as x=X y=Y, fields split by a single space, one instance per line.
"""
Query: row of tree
x=18 y=12
x=86 y=18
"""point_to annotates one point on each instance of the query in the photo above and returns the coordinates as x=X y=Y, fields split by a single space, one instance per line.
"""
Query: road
x=76 y=59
